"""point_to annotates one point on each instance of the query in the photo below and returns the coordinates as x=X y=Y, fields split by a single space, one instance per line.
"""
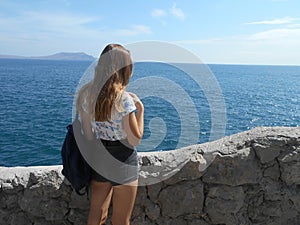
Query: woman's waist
x=120 y=149
x=108 y=142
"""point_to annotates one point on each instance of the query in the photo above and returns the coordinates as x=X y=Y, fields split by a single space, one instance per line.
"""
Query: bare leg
x=105 y=208
x=99 y=195
x=123 y=203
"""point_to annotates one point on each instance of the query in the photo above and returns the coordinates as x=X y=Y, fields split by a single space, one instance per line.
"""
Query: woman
x=107 y=113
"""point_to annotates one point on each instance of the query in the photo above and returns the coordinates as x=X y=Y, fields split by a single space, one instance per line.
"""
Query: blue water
x=37 y=95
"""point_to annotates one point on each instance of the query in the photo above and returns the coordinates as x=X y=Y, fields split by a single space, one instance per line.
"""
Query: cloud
x=199 y=41
x=38 y=32
x=295 y=25
x=163 y=15
x=134 y=30
x=177 y=12
x=32 y=33
x=283 y=34
x=67 y=2
x=273 y=46
x=279 y=21
x=30 y=22
x=157 y=13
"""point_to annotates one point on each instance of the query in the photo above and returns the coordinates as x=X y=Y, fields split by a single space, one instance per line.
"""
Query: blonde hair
x=112 y=74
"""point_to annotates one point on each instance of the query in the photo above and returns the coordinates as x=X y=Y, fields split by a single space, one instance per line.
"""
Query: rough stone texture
x=248 y=178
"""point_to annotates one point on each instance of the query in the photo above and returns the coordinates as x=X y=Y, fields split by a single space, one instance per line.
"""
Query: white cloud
x=157 y=13
x=199 y=41
x=177 y=12
x=39 y=33
x=295 y=25
x=279 y=21
x=284 y=34
x=134 y=30
x=47 y=23
x=67 y=2
x=162 y=15
x=274 y=46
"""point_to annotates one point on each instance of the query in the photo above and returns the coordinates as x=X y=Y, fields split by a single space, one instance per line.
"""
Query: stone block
x=272 y=172
x=78 y=216
x=190 y=171
x=171 y=221
x=153 y=191
x=266 y=153
x=152 y=210
x=183 y=198
x=19 y=218
x=141 y=195
x=290 y=166
x=78 y=201
x=223 y=202
x=237 y=169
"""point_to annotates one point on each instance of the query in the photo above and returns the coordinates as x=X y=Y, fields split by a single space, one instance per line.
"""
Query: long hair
x=112 y=74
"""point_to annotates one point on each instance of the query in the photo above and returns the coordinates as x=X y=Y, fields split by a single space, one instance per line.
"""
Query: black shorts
x=124 y=153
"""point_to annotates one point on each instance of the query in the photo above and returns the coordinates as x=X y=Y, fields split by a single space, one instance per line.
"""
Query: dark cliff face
x=248 y=178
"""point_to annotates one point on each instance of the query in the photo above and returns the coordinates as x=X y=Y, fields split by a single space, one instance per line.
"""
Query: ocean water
x=36 y=101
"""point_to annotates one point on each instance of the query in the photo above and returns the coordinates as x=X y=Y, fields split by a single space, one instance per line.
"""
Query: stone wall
x=248 y=178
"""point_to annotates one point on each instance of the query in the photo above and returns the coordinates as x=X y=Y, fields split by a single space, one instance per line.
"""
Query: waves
x=36 y=104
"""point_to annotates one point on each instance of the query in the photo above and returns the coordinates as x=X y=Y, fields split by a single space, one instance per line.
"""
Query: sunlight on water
x=36 y=105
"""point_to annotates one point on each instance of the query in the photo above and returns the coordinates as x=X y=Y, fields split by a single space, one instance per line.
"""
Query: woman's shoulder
x=128 y=103
x=127 y=97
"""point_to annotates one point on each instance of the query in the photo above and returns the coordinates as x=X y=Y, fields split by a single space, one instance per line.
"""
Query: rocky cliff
x=248 y=178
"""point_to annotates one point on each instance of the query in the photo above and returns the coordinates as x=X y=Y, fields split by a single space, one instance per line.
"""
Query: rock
x=19 y=218
x=153 y=191
x=36 y=205
x=266 y=153
x=141 y=195
x=137 y=213
x=181 y=199
x=141 y=220
x=271 y=208
x=198 y=222
x=292 y=195
x=289 y=166
x=152 y=210
x=236 y=169
x=171 y=221
x=190 y=171
x=78 y=201
x=55 y=209
x=248 y=178
x=223 y=202
x=78 y=216
x=11 y=201
x=272 y=172
x=272 y=190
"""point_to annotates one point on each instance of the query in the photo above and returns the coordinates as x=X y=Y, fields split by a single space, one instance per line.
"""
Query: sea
x=181 y=107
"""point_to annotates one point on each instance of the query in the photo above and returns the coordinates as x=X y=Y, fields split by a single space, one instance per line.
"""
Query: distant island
x=76 y=56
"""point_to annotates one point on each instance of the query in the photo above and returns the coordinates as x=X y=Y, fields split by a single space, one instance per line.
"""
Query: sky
x=217 y=31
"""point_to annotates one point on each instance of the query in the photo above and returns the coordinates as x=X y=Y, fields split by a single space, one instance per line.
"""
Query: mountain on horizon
x=76 y=56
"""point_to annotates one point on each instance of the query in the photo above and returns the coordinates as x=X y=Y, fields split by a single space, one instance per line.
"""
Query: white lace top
x=113 y=130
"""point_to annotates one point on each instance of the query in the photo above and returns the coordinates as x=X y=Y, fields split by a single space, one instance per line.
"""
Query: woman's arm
x=134 y=123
